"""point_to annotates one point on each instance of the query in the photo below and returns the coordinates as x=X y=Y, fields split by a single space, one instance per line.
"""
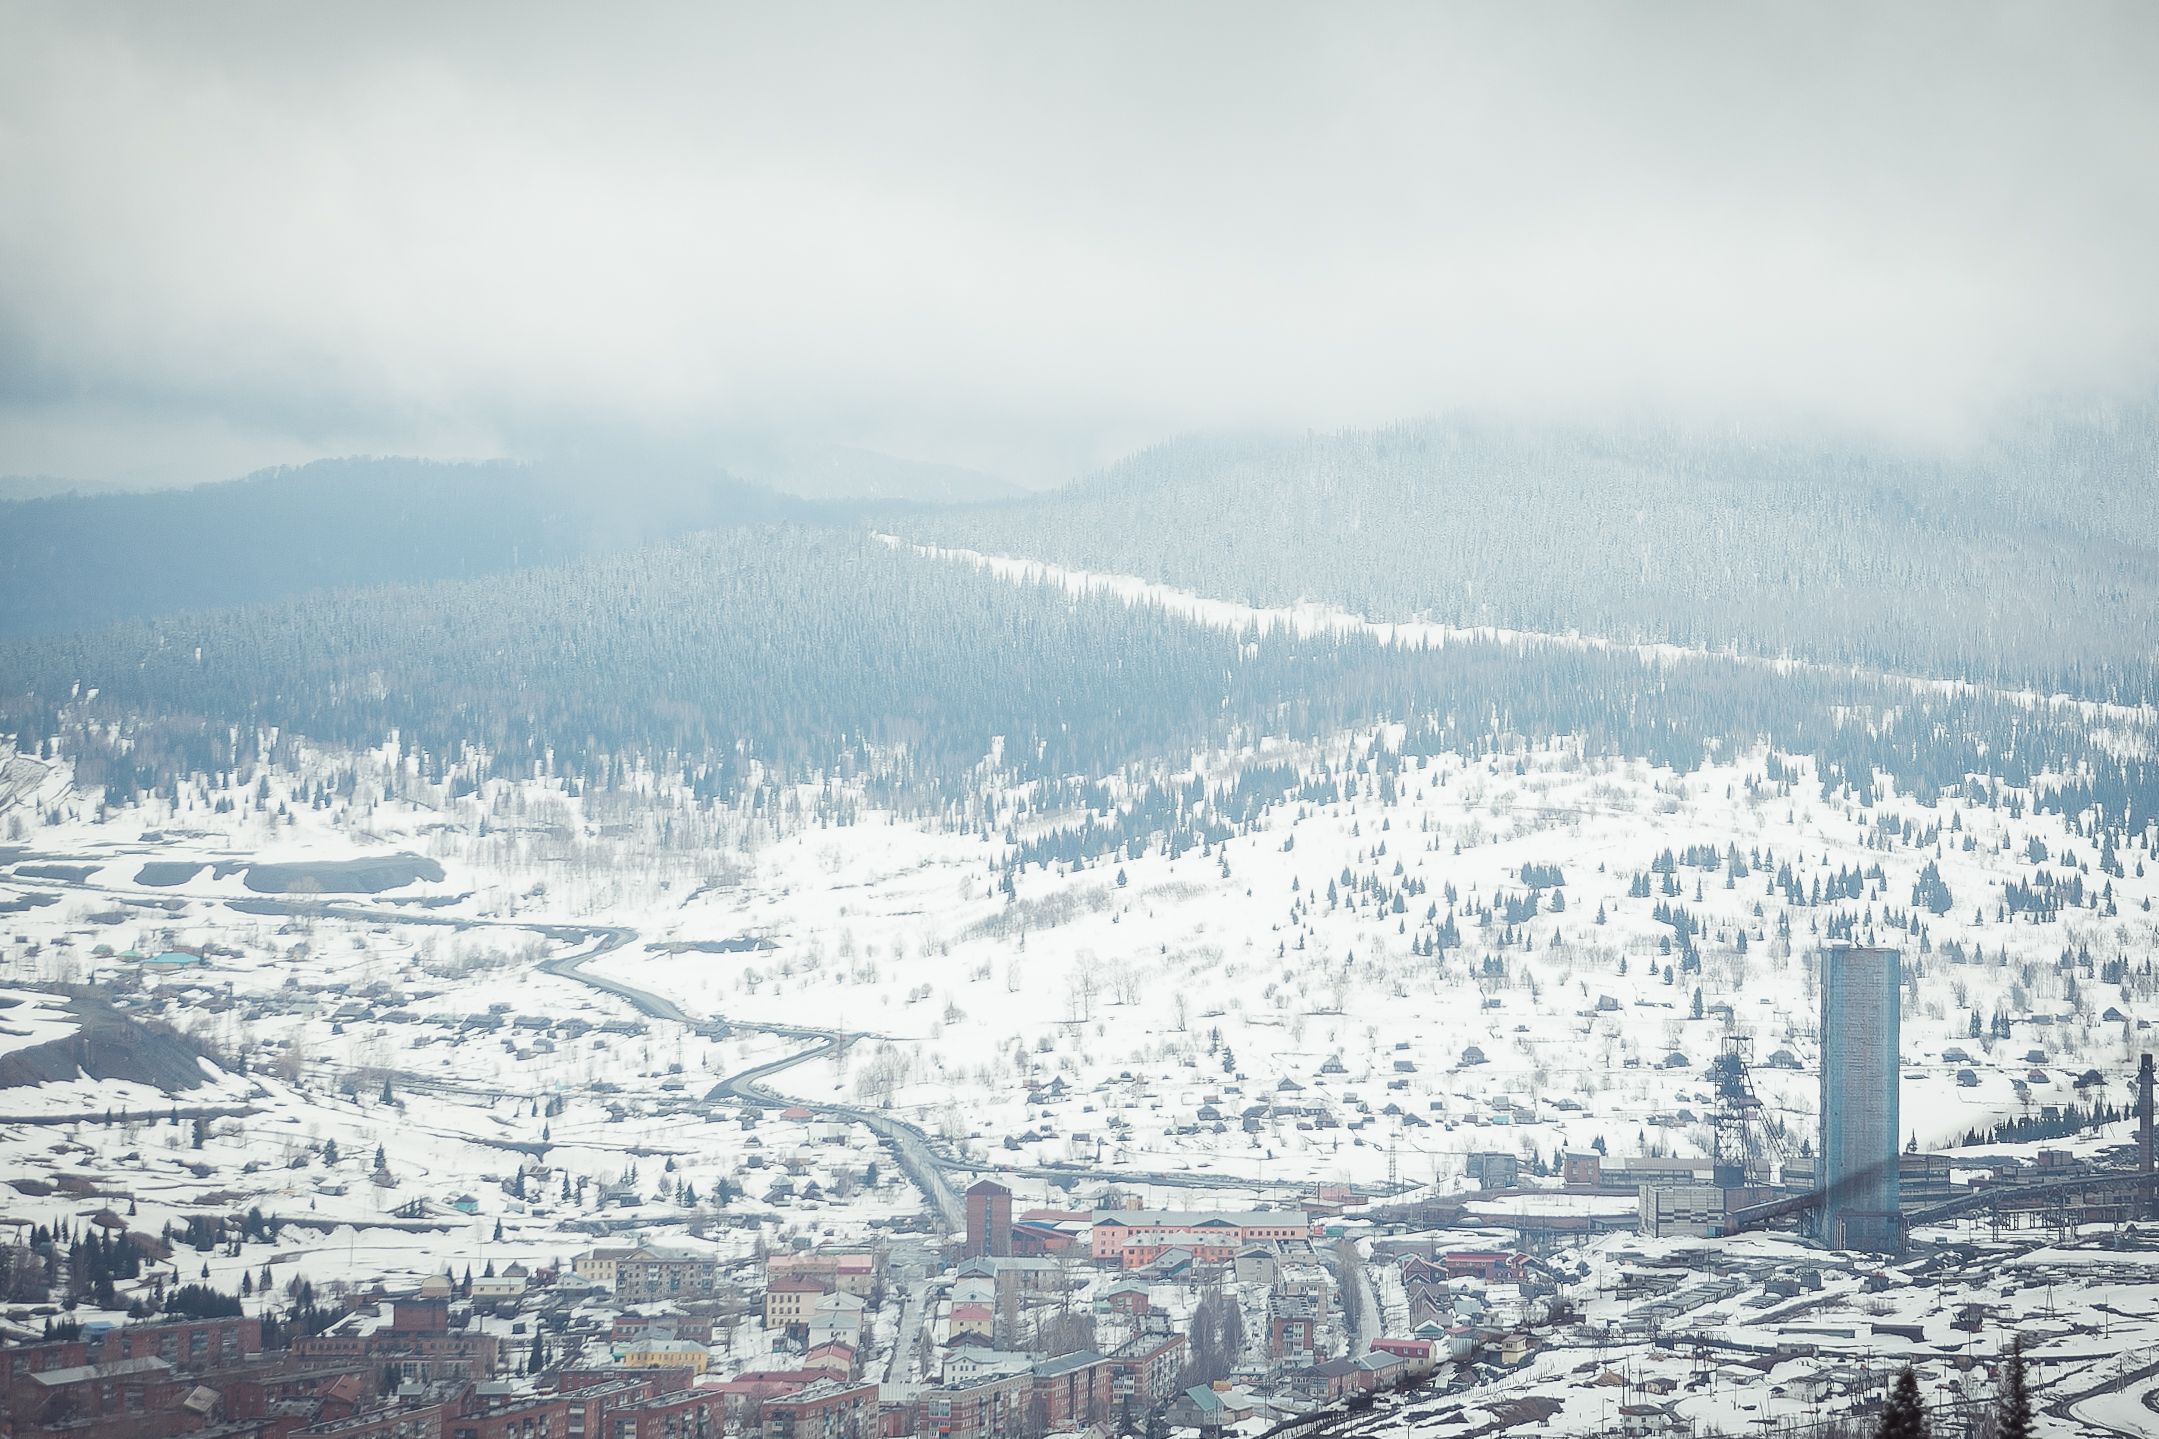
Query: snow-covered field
x=1448 y=954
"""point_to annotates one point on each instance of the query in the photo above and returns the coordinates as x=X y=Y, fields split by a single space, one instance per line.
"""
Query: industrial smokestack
x=1858 y=1168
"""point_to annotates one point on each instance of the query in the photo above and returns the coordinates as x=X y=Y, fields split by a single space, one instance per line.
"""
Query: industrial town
x=307 y=1139
x=866 y=721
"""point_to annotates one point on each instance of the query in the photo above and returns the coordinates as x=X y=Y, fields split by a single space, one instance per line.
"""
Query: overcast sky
x=1027 y=239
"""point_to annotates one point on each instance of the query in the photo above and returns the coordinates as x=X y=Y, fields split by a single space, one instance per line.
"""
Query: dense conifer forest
x=2029 y=562
x=750 y=655
x=71 y=561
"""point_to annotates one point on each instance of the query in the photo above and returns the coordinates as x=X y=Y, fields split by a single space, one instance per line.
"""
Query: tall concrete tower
x=1857 y=1172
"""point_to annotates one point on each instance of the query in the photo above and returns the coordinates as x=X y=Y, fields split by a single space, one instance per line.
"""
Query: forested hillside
x=2033 y=563
x=821 y=652
x=71 y=561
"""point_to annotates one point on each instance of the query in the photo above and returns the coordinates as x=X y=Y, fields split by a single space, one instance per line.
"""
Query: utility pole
x=2144 y=1135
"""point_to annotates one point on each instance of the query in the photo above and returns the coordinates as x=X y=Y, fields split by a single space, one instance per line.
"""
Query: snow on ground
x=1133 y=994
x=1221 y=979
x=1231 y=1024
x=29 y=1017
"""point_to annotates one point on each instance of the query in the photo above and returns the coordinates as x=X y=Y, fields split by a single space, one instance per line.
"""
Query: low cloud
x=1024 y=241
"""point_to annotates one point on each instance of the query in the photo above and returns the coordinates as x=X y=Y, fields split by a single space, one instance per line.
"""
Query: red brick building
x=417 y=1338
x=1325 y=1382
x=992 y=1409
x=100 y=1396
x=408 y=1421
x=534 y=1417
x=1072 y=1391
x=1492 y=1266
x=36 y=1358
x=1144 y=1371
x=187 y=1343
x=1293 y=1330
x=1068 y=1392
x=699 y=1412
x=989 y=1221
x=824 y=1410
x=1135 y=1237
x=743 y=1397
x=1418 y=1356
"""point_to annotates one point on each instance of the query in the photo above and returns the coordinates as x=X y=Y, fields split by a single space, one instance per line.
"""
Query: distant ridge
x=2030 y=562
x=75 y=561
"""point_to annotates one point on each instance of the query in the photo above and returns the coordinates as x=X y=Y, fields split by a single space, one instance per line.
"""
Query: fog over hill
x=72 y=561
x=1373 y=722
x=2029 y=562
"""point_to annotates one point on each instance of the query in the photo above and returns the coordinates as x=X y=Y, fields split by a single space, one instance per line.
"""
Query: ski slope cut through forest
x=1313 y=619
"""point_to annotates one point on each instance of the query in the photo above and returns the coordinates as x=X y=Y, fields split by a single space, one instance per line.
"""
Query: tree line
x=733 y=661
x=2028 y=561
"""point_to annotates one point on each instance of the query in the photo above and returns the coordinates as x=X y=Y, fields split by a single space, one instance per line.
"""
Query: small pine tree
x=1904 y=1416
x=2013 y=1413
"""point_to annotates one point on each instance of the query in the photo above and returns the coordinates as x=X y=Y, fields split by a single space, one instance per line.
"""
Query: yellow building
x=666 y=1354
x=600 y=1265
x=791 y=1300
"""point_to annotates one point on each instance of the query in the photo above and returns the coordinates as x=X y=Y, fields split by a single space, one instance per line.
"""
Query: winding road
x=912 y=1149
x=918 y=1158
x=2121 y=1404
